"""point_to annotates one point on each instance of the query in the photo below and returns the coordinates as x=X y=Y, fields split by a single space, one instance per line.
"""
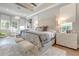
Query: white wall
x=48 y=18
x=68 y=12
x=77 y=23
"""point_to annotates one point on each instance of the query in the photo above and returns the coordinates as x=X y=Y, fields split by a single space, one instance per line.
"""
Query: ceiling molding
x=42 y=10
x=52 y=6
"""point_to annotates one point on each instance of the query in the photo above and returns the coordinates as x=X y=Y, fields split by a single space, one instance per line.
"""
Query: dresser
x=67 y=40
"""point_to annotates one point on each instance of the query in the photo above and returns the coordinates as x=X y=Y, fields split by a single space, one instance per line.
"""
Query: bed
x=43 y=40
x=44 y=37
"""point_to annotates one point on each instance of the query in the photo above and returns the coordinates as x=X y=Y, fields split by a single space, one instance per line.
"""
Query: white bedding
x=45 y=36
x=46 y=33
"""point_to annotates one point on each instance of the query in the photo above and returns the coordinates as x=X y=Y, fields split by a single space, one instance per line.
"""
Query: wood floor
x=69 y=51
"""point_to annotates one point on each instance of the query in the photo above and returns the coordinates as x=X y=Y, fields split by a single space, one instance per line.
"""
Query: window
x=66 y=27
x=11 y=24
x=4 y=24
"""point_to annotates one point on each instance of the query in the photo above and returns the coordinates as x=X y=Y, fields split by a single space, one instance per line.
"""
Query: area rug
x=53 y=51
